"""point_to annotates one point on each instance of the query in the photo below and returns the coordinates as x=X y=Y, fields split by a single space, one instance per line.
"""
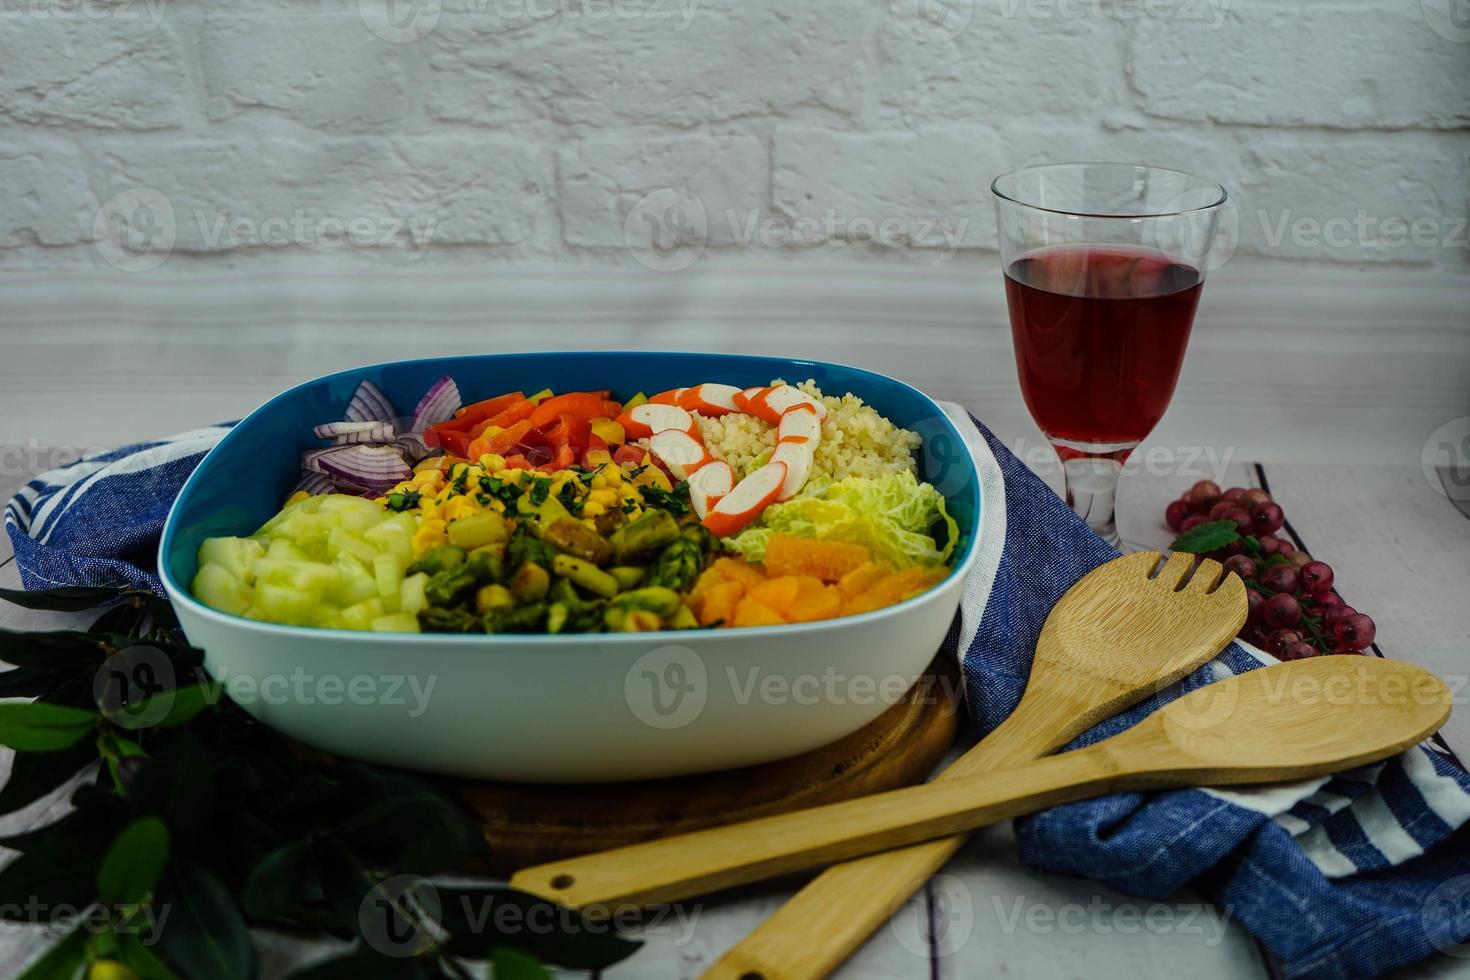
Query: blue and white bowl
x=567 y=708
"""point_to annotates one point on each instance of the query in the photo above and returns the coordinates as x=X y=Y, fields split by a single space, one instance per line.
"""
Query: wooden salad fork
x=1123 y=631
x=1287 y=721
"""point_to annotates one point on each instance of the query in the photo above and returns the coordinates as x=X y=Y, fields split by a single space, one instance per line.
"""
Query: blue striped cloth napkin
x=1341 y=877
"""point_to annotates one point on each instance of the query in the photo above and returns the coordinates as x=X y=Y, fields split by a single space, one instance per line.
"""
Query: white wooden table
x=1401 y=551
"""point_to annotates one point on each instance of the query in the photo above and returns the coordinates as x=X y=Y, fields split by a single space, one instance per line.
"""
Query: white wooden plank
x=220 y=344
x=1002 y=919
x=1400 y=552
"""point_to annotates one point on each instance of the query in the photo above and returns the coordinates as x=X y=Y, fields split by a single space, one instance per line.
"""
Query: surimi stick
x=709 y=484
x=744 y=503
x=680 y=452
x=776 y=401
x=709 y=399
x=745 y=398
x=796 y=446
x=650 y=417
x=670 y=397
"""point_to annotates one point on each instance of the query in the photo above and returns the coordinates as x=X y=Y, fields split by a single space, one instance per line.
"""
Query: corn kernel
x=592 y=508
x=493 y=462
x=599 y=481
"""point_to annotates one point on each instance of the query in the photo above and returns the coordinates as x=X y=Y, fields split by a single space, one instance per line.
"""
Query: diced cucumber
x=355 y=583
x=302 y=576
x=361 y=615
x=341 y=539
x=389 y=574
x=281 y=548
x=341 y=503
x=283 y=604
x=411 y=593
x=235 y=555
x=394 y=537
x=219 y=588
x=396 y=623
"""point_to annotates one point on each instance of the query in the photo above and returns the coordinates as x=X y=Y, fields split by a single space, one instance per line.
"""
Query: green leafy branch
x=192 y=823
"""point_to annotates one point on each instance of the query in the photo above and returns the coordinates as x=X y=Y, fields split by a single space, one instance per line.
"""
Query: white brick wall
x=528 y=130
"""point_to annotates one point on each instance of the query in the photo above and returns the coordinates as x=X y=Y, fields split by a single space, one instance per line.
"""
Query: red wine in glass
x=1103 y=264
x=1099 y=334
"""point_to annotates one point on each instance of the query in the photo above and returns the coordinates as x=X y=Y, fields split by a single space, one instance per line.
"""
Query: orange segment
x=777 y=593
x=787 y=554
x=738 y=570
x=894 y=588
x=751 y=612
x=717 y=603
x=861 y=579
x=815 y=601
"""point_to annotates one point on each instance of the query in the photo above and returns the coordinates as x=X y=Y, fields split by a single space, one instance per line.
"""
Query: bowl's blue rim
x=180 y=594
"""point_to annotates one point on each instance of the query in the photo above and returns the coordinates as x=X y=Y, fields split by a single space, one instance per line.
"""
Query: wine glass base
x=1091 y=472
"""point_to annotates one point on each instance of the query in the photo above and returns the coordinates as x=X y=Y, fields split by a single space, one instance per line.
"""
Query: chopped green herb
x=507 y=493
x=675 y=501
x=404 y=500
x=570 y=498
x=540 y=489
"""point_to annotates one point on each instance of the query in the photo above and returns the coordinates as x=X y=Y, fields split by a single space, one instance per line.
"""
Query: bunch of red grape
x=1294 y=611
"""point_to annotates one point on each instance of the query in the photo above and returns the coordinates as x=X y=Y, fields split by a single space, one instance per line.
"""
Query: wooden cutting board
x=530 y=824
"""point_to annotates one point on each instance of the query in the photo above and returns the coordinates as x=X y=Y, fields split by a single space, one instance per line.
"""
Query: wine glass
x=1104 y=263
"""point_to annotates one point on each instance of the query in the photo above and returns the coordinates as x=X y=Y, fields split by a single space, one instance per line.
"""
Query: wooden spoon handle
x=679 y=867
x=832 y=915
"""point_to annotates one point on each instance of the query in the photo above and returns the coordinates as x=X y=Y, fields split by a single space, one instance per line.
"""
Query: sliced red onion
x=314 y=484
x=413 y=447
x=439 y=404
x=366 y=467
x=311 y=458
x=369 y=404
x=350 y=433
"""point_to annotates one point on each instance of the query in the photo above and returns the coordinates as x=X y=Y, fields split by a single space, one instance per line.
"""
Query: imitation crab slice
x=709 y=484
x=745 y=502
x=680 y=452
x=777 y=400
x=744 y=398
x=796 y=446
x=650 y=417
x=709 y=399
x=800 y=423
x=670 y=397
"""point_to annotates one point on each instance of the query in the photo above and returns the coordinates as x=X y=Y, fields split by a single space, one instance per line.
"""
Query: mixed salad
x=702 y=507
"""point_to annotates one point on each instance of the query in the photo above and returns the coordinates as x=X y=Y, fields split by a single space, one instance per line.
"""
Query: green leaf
x=131 y=867
x=40 y=727
x=1275 y=560
x=24 y=683
x=425 y=832
x=1252 y=546
x=206 y=935
x=59 y=650
x=512 y=964
x=474 y=921
x=183 y=704
x=56 y=873
x=64 y=961
x=177 y=783
x=276 y=884
x=34 y=774
x=1206 y=537
x=141 y=959
x=67 y=598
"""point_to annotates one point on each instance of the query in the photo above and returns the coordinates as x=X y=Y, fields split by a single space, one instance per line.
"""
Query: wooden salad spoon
x=1287 y=721
x=1123 y=631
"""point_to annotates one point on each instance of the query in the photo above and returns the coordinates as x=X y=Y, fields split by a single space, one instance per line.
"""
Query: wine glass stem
x=1092 y=486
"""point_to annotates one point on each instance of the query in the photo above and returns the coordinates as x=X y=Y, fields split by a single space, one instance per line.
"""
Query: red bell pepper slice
x=490 y=407
x=588 y=404
x=501 y=441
